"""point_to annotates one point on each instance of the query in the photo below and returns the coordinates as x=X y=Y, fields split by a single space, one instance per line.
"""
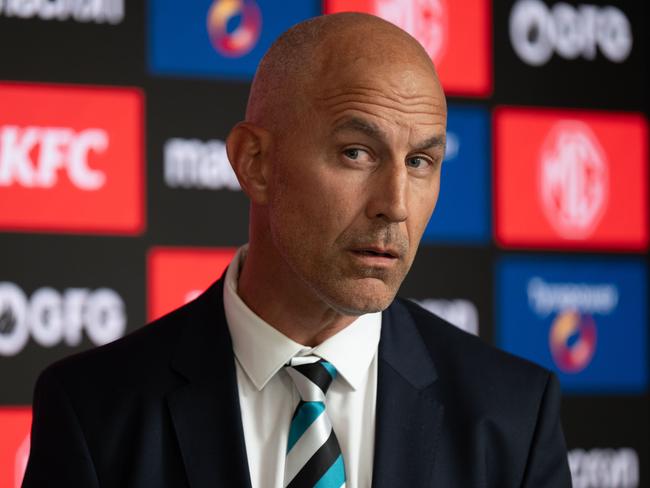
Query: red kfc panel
x=456 y=35
x=15 y=423
x=178 y=275
x=71 y=159
x=570 y=179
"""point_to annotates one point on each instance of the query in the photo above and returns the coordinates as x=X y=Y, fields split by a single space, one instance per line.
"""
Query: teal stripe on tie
x=309 y=411
x=330 y=369
x=333 y=477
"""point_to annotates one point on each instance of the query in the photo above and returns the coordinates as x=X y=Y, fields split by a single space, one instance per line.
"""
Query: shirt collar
x=262 y=350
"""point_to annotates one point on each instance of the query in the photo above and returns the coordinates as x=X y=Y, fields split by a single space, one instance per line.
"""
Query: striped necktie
x=314 y=457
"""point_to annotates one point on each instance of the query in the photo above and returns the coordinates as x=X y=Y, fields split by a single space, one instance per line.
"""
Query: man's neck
x=288 y=305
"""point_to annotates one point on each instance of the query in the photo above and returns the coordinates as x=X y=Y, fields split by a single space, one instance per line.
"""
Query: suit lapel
x=408 y=415
x=205 y=411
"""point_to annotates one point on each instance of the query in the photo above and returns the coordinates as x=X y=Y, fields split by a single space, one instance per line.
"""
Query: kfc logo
x=58 y=150
x=15 y=425
x=71 y=159
x=456 y=35
x=573 y=179
x=570 y=179
x=178 y=275
x=50 y=317
x=536 y=32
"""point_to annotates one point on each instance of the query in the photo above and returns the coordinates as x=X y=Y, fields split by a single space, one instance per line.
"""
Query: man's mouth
x=377 y=252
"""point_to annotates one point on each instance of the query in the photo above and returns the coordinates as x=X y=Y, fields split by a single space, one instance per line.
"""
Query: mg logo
x=426 y=20
x=573 y=179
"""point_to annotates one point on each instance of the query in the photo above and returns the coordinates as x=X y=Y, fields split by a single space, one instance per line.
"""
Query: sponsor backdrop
x=118 y=204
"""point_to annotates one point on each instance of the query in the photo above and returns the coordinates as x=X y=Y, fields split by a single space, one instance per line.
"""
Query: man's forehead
x=326 y=61
x=387 y=94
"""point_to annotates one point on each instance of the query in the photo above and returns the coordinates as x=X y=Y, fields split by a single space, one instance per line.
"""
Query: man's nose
x=389 y=189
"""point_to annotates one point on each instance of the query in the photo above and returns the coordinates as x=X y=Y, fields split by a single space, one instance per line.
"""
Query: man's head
x=340 y=155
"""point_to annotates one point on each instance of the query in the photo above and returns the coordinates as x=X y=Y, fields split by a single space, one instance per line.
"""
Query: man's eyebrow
x=431 y=143
x=372 y=130
x=361 y=125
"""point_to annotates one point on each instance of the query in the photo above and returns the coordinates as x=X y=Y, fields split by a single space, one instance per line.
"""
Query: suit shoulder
x=134 y=357
x=460 y=351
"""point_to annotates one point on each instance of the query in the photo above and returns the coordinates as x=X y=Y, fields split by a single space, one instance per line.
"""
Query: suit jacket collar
x=207 y=416
x=205 y=411
x=408 y=414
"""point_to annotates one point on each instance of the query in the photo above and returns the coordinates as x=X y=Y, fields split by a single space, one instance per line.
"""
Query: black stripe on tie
x=317 y=374
x=317 y=465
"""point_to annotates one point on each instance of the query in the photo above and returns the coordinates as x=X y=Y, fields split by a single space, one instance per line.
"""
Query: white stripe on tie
x=308 y=391
x=314 y=437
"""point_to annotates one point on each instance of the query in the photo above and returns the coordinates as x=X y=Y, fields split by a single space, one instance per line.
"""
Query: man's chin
x=363 y=298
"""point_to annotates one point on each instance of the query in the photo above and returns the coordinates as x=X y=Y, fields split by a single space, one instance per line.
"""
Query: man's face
x=355 y=182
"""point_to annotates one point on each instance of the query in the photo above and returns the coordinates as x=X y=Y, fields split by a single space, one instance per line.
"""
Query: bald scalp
x=319 y=48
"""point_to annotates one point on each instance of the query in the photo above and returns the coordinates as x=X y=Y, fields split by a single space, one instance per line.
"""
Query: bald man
x=299 y=367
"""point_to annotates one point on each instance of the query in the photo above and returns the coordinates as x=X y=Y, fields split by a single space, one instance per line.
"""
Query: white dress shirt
x=268 y=397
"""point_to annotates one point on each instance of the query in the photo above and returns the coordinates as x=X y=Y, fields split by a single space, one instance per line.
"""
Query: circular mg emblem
x=426 y=20
x=573 y=179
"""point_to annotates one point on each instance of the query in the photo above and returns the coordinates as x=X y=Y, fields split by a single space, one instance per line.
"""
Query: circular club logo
x=426 y=20
x=234 y=26
x=573 y=341
x=573 y=179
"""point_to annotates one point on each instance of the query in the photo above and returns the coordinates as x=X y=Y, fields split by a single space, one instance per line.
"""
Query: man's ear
x=248 y=147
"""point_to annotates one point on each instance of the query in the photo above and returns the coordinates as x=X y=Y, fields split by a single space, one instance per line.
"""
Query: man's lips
x=376 y=252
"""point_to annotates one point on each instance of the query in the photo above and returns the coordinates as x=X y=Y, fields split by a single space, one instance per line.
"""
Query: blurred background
x=118 y=204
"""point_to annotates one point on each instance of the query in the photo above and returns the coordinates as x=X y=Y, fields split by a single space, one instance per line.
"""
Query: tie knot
x=312 y=379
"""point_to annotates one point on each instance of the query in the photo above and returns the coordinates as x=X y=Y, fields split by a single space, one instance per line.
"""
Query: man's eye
x=417 y=162
x=352 y=153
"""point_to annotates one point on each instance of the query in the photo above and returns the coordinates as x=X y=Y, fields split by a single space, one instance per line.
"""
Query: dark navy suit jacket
x=159 y=408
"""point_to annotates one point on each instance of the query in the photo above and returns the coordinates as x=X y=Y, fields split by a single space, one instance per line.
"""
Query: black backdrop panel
x=563 y=61
x=614 y=434
x=69 y=294
x=90 y=51
x=193 y=195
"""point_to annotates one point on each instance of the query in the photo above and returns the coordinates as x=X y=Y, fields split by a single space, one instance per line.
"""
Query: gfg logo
x=537 y=31
x=34 y=157
x=50 y=317
x=573 y=179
